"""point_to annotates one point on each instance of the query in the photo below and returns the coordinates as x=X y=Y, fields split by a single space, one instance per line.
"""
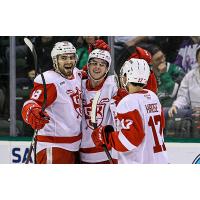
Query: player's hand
x=34 y=116
x=172 y=111
x=99 y=44
x=84 y=72
x=100 y=135
x=142 y=54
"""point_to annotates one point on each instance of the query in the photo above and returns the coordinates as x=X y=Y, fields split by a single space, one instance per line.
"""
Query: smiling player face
x=98 y=68
x=66 y=64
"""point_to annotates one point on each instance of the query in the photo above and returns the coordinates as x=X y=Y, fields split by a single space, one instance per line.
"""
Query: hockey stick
x=37 y=71
x=94 y=123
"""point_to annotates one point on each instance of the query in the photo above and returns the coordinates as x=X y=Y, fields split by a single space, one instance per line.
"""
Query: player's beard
x=67 y=70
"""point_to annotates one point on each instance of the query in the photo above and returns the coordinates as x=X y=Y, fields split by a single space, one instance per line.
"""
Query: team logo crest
x=77 y=100
x=99 y=112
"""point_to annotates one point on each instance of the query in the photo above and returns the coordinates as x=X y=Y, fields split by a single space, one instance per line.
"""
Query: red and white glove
x=99 y=44
x=33 y=115
x=142 y=54
x=101 y=135
x=84 y=72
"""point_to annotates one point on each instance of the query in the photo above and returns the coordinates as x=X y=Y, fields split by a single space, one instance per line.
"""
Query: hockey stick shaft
x=37 y=71
x=105 y=148
x=93 y=119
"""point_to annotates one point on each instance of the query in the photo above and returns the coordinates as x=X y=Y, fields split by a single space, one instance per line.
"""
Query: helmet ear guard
x=135 y=71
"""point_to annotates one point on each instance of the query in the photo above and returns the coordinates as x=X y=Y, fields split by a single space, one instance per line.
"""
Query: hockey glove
x=34 y=116
x=101 y=135
x=99 y=44
x=84 y=72
x=142 y=54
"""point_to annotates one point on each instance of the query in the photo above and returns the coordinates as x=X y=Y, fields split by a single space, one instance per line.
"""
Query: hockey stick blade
x=29 y=44
x=32 y=48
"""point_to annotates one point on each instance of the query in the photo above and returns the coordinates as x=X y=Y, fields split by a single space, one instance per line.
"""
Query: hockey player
x=139 y=135
x=59 y=137
x=99 y=62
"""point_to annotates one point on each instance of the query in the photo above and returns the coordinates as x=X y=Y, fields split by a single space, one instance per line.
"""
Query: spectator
x=24 y=87
x=189 y=91
x=186 y=54
x=189 y=94
x=168 y=76
x=22 y=53
x=169 y=45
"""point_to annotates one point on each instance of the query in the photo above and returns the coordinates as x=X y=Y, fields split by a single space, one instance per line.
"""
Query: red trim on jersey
x=52 y=139
x=51 y=93
x=142 y=92
x=93 y=149
x=115 y=161
x=90 y=88
x=116 y=143
x=132 y=129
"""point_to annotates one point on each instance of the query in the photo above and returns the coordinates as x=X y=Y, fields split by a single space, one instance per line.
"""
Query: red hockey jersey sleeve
x=152 y=83
x=131 y=134
x=37 y=94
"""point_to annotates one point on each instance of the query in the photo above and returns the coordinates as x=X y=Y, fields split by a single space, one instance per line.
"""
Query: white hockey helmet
x=135 y=71
x=102 y=54
x=61 y=48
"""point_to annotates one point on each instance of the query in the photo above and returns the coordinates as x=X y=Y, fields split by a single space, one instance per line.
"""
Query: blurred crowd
x=175 y=63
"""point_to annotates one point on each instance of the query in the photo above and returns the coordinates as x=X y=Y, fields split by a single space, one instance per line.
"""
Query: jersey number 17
x=154 y=120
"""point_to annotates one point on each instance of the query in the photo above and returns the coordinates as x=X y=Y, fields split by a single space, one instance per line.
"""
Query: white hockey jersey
x=139 y=135
x=89 y=152
x=64 y=106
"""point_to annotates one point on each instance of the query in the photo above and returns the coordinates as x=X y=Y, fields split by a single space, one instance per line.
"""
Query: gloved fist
x=84 y=72
x=99 y=44
x=142 y=54
x=100 y=135
x=34 y=116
